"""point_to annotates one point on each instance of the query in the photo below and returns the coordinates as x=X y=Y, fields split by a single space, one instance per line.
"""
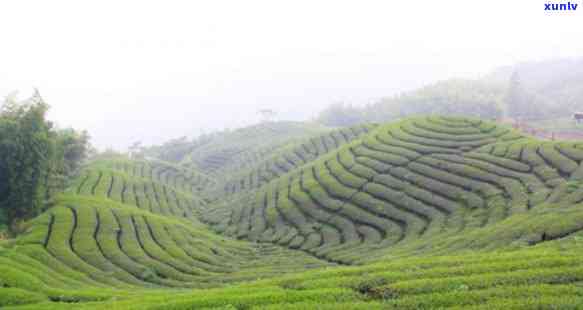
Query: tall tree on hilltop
x=517 y=99
x=340 y=115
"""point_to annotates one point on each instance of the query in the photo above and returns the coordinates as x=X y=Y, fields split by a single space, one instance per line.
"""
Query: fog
x=150 y=71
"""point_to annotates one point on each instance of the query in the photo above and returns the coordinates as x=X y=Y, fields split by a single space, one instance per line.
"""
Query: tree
x=71 y=150
x=267 y=115
x=522 y=103
x=74 y=149
x=136 y=150
x=25 y=153
x=35 y=158
x=341 y=115
x=516 y=98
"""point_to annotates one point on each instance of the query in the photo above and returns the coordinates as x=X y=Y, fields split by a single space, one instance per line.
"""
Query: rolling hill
x=426 y=212
x=221 y=152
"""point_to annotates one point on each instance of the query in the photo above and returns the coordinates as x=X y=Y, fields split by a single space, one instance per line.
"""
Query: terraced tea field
x=286 y=159
x=245 y=146
x=428 y=212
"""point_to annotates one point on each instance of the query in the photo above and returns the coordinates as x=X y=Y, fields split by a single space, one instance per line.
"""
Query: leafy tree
x=522 y=103
x=35 y=158
x=475 y=98
x=267 y=115
x=71 y=149
x=25 y=150
x=340 y=115
x=554 y=87
x=136 y=150
x=3 y=226
x=516 y=99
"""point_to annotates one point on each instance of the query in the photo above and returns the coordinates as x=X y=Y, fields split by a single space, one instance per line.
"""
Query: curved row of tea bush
x=289 y=158
x=436 y=211
x=143 y=193
x=246 y=145
x=539 y=277
x=179 y=177
x=93 y=242
x=414 y=179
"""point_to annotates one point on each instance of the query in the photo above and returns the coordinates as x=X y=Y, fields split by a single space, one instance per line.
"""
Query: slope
x=432 y=211
x=245 y=146
x=405 y=181
x=124 y=225
x=284 y=159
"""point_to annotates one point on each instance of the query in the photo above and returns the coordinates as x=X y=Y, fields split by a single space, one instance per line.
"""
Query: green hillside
x=287 y=158
x=406 y=182
x=220 y=152
x=427 y=212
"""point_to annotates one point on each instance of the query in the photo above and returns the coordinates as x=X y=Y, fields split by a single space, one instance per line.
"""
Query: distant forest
x=524 y=92
x=527 y=91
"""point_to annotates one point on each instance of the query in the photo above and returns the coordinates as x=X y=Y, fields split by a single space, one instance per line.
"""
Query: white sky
x=153 y=70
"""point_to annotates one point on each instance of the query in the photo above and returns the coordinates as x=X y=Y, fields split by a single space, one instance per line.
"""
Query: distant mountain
x=549 y=89
x=557 y=83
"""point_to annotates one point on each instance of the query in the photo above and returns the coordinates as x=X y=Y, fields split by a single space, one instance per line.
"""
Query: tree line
x=527 y=91
x=463 y=97
x=36 y=159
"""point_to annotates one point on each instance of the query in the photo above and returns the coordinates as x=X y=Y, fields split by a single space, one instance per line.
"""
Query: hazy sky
x=153 y=70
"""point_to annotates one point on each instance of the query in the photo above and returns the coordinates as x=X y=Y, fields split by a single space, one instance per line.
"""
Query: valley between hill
x=426 y=212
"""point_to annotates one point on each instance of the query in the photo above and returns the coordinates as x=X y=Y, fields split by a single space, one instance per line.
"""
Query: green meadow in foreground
x=428 y=212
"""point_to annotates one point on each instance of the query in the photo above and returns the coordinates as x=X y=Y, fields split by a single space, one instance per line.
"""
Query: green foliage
x=477 y=98
x=16 y=296
x=221 y=153
x=340 y=115
x=289 y=158
x=35 y=158
x=517 y=98
x=530 y=90
x=552 y=87
x=25 y=152
x=429 y=212
x=3 y=221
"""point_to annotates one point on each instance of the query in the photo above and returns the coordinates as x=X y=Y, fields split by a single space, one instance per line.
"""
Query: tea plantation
x=427 y=212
